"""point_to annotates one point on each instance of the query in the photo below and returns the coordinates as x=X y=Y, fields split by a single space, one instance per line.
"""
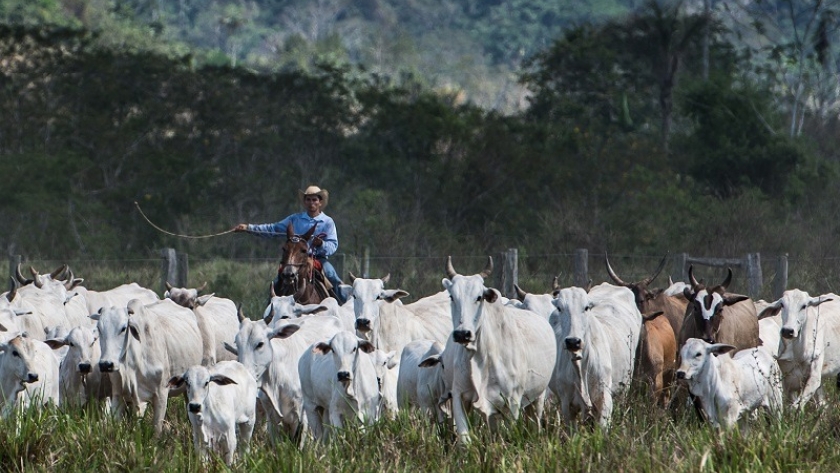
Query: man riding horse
x=320 y=235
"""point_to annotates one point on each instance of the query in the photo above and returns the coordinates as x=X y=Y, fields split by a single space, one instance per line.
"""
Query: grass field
x=643 y=438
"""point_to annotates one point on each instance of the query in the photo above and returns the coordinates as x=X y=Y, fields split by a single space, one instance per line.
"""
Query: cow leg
x=230 y=444
x=462 y=426
x=316 y=426
x=159 y=409
x=812 y=385
x=246 y=430
x=605 y=412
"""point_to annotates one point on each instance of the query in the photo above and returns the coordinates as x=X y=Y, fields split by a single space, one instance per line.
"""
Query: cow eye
x=122 y=330
x=260 y=345
x=14 y=353
x=71 y=344
x=698 y=355
x=207 y=383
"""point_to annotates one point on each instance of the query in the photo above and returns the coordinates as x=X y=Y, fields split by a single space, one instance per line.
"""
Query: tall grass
x=642 y=438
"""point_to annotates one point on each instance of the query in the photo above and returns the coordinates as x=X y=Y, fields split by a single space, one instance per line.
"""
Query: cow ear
x=688 y=294
x=366 y=346
x=55 y=343
x=134 y=332
x=392 y=360
x=321 y=348
x=3 y=328
x=430 y=361
x=819 y=300
x=730 y=300
x=490 y=295
x=770 y=311
x=175 y=382
x=96 y=315
x=231 y=349
x=286 y=331
x=446 y=283
x=721 y=348
x=221 y=379
x=391 y=295
x=201 y=300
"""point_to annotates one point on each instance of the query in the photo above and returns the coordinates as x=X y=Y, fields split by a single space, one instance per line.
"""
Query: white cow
x=28 y=373
x=221 y=400
x=729 y=387
x=143 y=346
x=809 y=348
x=507 y=357
x=118 y=296
x=383 y=319
x=216 y=318
x=421 y=379
x=769 y=329
x=597 y=335
x=339 y=381
x=272 y=356
x=81 y=379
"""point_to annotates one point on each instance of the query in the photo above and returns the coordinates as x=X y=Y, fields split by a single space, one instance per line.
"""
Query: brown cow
x=717 y=316
x=657 y=358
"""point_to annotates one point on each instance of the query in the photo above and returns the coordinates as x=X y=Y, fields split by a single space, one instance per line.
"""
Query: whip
x=175 y=234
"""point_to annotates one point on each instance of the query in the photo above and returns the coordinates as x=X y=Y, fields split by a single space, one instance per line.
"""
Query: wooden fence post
x=678 y=271
x=581 y=267
x=510 y=272
x=754 y=279
x=780 y=281
x=14 y=262
x=169 y=267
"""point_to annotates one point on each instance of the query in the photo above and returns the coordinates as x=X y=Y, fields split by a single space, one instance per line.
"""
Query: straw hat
x=315 y=190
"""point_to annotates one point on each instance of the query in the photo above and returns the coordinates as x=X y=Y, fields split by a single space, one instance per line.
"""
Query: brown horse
x=296 y=276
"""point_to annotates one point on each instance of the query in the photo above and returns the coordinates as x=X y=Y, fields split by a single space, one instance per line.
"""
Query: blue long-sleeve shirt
x=301 y=223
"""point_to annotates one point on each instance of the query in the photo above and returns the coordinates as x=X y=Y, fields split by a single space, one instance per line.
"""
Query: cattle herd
x=303 y=370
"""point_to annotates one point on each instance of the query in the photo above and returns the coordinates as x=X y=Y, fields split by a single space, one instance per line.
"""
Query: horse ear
x=311 y=232
x=290 y=231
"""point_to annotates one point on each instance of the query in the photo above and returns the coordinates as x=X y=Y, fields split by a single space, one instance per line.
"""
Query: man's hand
x=242 y=227
x=318 y=239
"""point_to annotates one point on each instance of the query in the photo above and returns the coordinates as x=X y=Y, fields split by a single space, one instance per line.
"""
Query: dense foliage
x=623 y=145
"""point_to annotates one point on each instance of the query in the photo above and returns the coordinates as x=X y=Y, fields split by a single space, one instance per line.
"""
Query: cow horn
x=13 y=287
x=38 y=283
x=19 y=275
x=58 y=271
x=240 y=314
x=386 y=278
x=658 y=270
x=691 y=277
x=555 y=284
x=203 y=286
x=168 y=285
x=520 y=294
x=612 y=273
x=270 y=316
x=352 y=276
x=450 y=270
x=728 y=279
x=488 y=268
x=271 y=290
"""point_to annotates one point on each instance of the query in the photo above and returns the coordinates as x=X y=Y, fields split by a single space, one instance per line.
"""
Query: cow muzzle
x=787 y=332
x=363 y=325
x=573 y=343
x=681 y=375
x=343 y=376
x=194 y=407
x=84 y=367
x=106 y=366
x=31 y=377
x=462 y=336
